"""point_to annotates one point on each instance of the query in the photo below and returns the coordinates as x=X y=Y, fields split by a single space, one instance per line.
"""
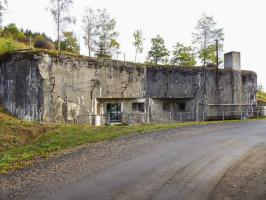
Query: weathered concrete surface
x=232 y=60
x=59 y=88
x=21 y=86
x=77 y=84
x=226 y=90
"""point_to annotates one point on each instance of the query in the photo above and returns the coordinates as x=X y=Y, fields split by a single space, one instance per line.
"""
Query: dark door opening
x=113 y=111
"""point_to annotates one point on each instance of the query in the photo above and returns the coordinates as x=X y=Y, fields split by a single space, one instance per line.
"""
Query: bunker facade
x=40 y=86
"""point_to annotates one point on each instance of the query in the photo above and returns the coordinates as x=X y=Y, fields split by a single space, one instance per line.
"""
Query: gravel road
x=184 y=163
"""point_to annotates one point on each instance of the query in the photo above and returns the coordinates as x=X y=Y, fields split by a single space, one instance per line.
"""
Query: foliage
x=261 y=97
x=158 y=52
x=60 y=12
x=138 y=42
x=115 y=48
x=89 y=21
x=11 y=31
x=11 y=38
x=260 y=88
x=32 y=37
x=44 y=44
x=205 y=36
x=105 y=34
x=183 y=55
x=209 y=55
x=8 y=44
x=70 y=43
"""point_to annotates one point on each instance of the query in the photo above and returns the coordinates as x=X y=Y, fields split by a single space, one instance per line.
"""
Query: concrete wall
x=80 y=84
x=175 y=85
x=58 y=88
x=226 y=90
x=21 y=86
x=232 y=60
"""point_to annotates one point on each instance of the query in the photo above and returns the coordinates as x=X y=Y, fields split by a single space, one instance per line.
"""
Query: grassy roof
x=261 y=97
x=62 y=55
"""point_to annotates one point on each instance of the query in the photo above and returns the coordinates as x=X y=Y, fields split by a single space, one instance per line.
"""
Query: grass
x=8 y=44
x=67 y=136
x=15 y=132
x=261 y=97
x=22 y=142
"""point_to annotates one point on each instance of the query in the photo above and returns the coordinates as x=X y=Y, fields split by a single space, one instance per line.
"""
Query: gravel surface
x=245 y=180
x=48 y=178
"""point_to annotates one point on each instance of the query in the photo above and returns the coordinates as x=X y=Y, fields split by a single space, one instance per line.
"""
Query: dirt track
x=225 y=161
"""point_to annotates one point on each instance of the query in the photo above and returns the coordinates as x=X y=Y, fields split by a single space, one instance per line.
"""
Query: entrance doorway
x=113 y=111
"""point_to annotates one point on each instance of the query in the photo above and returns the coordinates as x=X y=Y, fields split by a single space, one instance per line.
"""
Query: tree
x=3 y=5
x=70 y=43
x=115 y=48
x=11 y=31
x=138 y=42
x=260 y=88
x=60 y=12
x=208 y=54
x=89 y=21
x=183 y=55
x=158 y=52
x=105 y=33
x=204 y=37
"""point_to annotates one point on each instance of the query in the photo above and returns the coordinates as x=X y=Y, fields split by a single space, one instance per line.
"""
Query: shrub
x=44 y=44
x=8 y=44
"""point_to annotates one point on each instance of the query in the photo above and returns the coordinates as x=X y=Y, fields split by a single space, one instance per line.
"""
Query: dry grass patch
x=15 y=132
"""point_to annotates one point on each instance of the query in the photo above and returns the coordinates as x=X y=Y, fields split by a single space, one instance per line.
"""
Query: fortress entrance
x=113 y=110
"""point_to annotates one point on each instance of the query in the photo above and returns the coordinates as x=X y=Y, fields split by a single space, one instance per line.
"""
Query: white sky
x=244 y=23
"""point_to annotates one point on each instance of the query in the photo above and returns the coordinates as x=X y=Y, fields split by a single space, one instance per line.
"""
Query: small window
x=166 y=107
x=138 y=107
x=182 y=107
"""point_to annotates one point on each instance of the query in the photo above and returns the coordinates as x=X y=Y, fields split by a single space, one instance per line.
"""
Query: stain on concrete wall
x=21 y=86
x=59 y=88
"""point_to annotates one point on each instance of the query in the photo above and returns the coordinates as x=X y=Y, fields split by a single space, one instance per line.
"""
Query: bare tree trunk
x=58 y=39
x=205 y=49
x=58 y=25
x=89 y=51
x=89 y=44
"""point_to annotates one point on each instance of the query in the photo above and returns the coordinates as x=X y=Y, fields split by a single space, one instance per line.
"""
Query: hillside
x=7 y=45
x=15 y=132
x=261 y=98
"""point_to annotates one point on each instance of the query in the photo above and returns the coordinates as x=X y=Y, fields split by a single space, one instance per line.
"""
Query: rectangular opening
x=114 y=111
x=138 y=107
x=182 y=107
x=167 y=107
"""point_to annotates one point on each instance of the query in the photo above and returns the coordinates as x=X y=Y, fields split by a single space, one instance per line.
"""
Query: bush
x=7 y=45
x=44 y=44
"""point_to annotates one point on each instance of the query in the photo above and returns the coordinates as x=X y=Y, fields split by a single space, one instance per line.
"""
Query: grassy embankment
x=21 y=142
x=261 y=97
x=7 y=45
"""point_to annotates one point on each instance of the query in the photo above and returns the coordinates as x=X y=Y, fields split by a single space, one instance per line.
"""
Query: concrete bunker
x=62 y=88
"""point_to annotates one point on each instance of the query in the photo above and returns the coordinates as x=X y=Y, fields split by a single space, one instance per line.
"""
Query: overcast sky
x=243 y=21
